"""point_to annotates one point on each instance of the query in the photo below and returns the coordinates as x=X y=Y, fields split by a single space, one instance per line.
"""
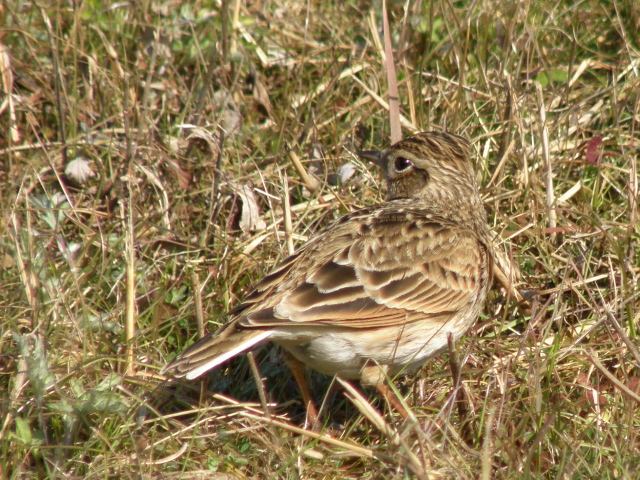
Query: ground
x=158 y=158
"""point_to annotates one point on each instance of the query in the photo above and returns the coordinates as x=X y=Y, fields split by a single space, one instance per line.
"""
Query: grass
x=104 y=280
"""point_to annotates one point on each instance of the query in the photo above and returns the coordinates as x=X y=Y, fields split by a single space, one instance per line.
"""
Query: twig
x=376 y=419
x=286 y=207
x=454 y=365
x=357 y=449
x=486 y=446
x=259 y=385
x=616 y=383
x=217 y=176
x=403 y=120
x=394 y=107
x=304 y=176
x=197 y=301
x=545 y=152
x=130 y=302
x=57 y=81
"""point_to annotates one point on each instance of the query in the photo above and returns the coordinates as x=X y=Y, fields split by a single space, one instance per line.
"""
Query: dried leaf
x=249 y=214
x=261 y=96
x=202 y=139
x=593 y=152
x=230 y=118
x=184 y=177
x=315 y=166
x=7 y=262
x=345 y=172
x=79 y=171
x=6 y=75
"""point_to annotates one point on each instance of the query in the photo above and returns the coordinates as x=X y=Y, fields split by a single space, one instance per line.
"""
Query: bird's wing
x=378 y=271
x=364 y=272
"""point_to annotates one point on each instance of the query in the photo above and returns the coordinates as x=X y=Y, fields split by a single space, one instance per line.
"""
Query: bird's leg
x=297 y=368
x=387 y=393
x=373 y=374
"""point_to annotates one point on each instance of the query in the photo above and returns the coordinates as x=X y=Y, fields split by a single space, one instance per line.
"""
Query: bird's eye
x=401 y=163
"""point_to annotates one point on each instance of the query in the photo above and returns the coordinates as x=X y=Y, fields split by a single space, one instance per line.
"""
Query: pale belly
x=344 y=352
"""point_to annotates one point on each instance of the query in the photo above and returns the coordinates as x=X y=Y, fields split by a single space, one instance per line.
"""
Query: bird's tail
x=213 y=350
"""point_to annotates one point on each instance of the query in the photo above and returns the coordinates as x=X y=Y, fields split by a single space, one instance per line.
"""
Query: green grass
x=551 y=388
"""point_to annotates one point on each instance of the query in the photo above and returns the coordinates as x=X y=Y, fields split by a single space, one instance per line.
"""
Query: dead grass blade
x=376 y=419
x=394 y=105
x=350 y=447
x=593 y=358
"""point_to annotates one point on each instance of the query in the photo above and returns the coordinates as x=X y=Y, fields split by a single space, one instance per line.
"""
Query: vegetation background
x=158 y=157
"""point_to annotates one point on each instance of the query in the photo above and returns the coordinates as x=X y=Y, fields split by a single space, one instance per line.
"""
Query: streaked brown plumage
x=382 y=286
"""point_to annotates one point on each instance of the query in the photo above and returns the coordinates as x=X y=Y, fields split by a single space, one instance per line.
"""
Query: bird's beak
x=372 y=155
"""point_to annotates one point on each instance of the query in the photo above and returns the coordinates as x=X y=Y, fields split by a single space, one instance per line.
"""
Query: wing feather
x=398 y=269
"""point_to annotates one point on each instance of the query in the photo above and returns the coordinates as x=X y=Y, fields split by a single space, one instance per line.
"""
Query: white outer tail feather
x=226 y=356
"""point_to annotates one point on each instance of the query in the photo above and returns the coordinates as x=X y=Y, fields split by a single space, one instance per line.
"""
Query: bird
x=378 y=291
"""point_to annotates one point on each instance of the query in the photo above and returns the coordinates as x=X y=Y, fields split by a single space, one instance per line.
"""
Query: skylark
x=379 y=290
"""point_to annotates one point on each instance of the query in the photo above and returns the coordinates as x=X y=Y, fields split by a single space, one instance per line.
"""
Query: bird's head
x=428 y=166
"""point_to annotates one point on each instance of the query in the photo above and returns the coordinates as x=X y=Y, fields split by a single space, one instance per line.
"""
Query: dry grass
x=104 y=281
